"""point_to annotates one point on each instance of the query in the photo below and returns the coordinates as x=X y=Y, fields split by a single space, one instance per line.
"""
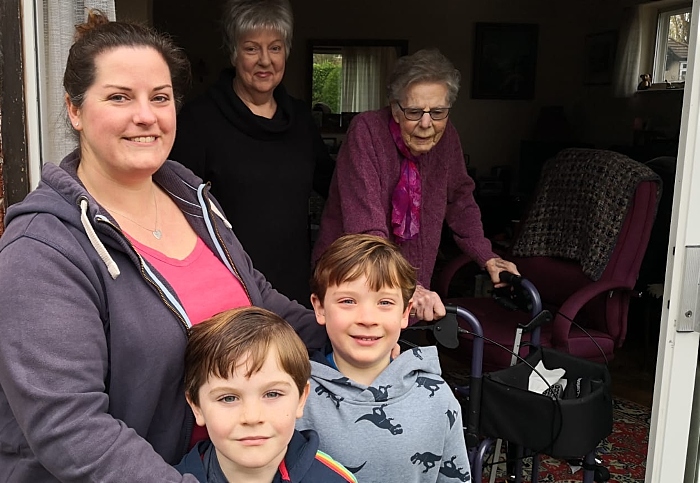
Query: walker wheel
x=601 y=474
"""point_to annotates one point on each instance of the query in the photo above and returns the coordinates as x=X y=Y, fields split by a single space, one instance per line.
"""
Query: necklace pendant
x=157 y=233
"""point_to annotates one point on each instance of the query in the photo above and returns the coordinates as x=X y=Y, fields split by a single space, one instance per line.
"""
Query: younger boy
x=390 y=421
x=246 y=379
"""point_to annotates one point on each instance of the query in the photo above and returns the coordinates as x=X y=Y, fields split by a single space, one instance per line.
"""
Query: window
x=351 y=75
x=671 y=54
x=351 y=78
x=326 y=80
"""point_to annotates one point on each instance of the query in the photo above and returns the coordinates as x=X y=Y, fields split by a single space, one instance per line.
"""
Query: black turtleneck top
x=262 y=172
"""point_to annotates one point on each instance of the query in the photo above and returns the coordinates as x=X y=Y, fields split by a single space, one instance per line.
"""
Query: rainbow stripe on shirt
x=335 y=466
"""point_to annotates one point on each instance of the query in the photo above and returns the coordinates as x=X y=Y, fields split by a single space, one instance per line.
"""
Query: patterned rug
x=623 y=452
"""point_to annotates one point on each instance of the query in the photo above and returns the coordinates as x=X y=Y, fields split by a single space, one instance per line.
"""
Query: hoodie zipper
x=145 y=276
x=212 y=217
x=189 y=420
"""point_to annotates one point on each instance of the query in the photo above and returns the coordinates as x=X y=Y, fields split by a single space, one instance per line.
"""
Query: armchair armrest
x=568 y=311
x=442 y=282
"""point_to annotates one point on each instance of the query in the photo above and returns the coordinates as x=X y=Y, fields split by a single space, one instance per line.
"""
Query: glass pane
x=326 y=82
x=676 y=64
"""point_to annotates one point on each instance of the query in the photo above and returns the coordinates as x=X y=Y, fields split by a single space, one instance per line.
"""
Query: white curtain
x=632 y=51
x=626 y=74
x=365 y=74
x=60 y=19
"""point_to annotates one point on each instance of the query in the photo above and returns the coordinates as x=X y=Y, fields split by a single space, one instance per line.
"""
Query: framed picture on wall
x=505 y=61
x=599 y=58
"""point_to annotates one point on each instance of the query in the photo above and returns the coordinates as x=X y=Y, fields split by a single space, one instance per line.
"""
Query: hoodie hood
x=412 y=368
x=58 y=194
x=238 y=114
x=62 y=195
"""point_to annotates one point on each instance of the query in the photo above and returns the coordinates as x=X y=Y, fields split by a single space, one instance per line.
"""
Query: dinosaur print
x=320 y=390
x=418 y=352
x=451 y=416
x=381 y=394
x=355 y=469
x=342 y=381
x=427 y=459
x=379 y=419
x=450 y=470
x=430 y=384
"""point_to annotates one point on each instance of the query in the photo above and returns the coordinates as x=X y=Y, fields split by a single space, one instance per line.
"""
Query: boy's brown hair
x=218 y=346
x=351 y=256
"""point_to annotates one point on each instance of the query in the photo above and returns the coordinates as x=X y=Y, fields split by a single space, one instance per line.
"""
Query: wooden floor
x=634 y=366
x=632 y=373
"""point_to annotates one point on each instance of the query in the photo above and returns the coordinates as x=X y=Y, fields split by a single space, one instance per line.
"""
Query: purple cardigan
x=366 y=174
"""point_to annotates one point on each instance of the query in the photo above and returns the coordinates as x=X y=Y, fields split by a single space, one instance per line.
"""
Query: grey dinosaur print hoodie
x=404 y=428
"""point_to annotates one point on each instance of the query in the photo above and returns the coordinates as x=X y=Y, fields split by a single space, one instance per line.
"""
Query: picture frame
x=505 y=61
x=599 y=58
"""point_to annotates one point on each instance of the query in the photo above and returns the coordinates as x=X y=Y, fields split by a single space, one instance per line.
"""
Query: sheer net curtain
x=365 y=74
x=632 y=50
x=60 y=18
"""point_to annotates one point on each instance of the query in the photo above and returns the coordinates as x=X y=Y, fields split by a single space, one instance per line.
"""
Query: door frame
x=670 y=447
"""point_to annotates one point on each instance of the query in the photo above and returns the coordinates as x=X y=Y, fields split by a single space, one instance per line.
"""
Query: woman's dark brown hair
x=98 y=35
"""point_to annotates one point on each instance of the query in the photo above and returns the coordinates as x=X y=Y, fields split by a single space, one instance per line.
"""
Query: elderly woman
x=110 y=261
x=401 y=172
x=258 y=146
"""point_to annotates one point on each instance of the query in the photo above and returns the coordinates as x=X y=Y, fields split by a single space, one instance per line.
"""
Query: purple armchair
x=581 y=245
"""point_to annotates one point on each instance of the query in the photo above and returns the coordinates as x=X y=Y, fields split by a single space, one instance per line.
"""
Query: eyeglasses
x=413 y=114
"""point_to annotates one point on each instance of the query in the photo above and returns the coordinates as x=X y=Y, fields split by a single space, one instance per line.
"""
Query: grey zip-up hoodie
x=93 y=339
x=404 y=428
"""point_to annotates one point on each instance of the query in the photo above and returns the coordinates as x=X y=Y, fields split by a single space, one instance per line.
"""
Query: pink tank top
x=201 y=281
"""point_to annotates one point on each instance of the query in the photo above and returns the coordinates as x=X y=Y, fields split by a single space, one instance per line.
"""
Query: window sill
x=663 y=87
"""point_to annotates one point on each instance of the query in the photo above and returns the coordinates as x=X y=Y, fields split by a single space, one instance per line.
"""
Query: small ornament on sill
x=645 y=83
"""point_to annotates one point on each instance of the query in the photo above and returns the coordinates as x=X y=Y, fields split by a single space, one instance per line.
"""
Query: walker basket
x=567 y=427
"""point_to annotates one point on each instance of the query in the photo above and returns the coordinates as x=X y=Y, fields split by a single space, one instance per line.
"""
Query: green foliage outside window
x=679 y=27
x=326 y=80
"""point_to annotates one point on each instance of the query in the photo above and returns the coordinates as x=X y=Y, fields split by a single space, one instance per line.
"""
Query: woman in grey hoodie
x=104 y=269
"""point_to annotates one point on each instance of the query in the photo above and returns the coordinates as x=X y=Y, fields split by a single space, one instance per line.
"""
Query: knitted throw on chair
x=580 y=204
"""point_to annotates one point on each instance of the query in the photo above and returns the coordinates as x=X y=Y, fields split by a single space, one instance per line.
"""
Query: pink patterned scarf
x=406 y=199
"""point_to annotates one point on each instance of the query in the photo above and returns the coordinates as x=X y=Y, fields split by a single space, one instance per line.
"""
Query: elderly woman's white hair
x=427 y=65
x=243 y=16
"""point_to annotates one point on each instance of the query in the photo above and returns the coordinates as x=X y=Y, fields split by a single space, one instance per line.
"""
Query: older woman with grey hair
x=258 y=146
x=401 y=172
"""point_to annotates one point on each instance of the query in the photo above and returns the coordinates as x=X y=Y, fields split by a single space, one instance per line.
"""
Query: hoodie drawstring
x=220 y=215
x=112 y=267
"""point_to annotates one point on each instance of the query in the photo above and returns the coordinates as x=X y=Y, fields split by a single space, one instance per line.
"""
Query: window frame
x=319 y=45
x=661 y=44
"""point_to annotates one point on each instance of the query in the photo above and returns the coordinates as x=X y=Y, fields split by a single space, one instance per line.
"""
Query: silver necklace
x=155 y=231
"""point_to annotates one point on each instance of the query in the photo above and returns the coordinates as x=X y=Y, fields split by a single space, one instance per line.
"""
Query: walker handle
x=510 y=278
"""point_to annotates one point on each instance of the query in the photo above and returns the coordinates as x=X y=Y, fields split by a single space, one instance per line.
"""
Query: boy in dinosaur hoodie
x=394 y=421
